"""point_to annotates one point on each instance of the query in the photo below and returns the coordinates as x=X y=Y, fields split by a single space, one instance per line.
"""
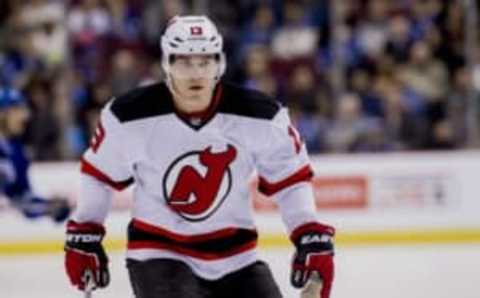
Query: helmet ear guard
x=191 y=35
x=222 y=62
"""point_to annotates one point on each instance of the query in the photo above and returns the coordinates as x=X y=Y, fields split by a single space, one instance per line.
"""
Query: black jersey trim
x=143 y=102
x=156 y=100
x=214 y=245
x=246 y=102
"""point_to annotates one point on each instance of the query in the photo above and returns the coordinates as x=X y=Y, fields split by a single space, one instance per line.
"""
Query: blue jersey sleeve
x=15 y=185
x=20 y=185
x=7 y=169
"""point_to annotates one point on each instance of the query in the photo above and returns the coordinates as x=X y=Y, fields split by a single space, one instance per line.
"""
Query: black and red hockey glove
x=84 y=254
x=314 y=253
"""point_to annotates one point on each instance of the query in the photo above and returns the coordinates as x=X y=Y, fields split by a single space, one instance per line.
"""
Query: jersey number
x=297 y=141
x=98 y=137
x=196 y=30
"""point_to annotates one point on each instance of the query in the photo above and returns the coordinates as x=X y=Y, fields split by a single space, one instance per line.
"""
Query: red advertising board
x=342 y=192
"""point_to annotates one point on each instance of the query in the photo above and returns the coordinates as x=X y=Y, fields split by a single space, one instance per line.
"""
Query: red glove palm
x=314 y=252
x=84 y=253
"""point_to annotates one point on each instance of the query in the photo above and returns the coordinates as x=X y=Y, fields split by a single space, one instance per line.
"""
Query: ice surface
x=373 y=272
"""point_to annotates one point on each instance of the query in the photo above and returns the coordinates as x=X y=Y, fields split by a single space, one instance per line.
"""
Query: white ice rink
x=375 y=272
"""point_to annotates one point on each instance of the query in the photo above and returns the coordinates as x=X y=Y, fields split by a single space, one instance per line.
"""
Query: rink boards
x=414 y=198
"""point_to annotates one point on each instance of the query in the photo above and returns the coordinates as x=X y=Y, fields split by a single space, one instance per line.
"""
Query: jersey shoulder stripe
x=143 y=102
x=241 y=101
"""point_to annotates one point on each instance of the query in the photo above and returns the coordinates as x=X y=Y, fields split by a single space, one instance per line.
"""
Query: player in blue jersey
x=14 y=164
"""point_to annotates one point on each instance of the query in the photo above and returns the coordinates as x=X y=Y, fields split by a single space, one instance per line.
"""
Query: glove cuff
x=311 y=227
x=85 y=227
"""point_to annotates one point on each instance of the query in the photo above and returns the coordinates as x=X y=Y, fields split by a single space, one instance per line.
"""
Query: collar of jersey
x=206 y=115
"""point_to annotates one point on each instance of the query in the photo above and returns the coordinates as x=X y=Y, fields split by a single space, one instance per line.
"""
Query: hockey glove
x=32 y=206
x=314 y=253
x=58 y=209
x=84 y=254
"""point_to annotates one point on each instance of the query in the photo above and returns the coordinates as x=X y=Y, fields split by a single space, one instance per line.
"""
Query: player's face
x=193 y=76
x=16 y=120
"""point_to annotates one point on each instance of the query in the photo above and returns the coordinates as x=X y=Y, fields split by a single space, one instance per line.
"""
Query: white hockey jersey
x=191 y=194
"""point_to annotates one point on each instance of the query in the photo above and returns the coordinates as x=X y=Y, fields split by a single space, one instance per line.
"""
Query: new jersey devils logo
x=198 y=182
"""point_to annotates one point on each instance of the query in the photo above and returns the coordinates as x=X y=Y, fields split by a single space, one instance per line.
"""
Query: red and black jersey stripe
x=89 y=169
x=305 y=174
x=209 y=246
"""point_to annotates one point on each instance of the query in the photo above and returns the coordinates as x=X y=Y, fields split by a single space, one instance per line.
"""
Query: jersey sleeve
x=7 y=172
x=105 y=159
x=284 y=172
x=95 y=201
x=281 y=158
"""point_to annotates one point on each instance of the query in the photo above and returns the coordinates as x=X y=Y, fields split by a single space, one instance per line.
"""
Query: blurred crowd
x=357 y=76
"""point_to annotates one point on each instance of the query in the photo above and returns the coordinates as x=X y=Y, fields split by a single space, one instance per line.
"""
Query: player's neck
x=200 y=109
x=192 y=105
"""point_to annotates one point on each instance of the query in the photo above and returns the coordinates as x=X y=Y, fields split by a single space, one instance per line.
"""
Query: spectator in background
x=295 y=42
x=423 y=73
x=35 y=13
x=424 y=14
x=372 y=30
x=296 y=38
x=100 y=94
x=79 y=96
x=428 y=77
x=361 y=84
x=301 y=88
x=399 y=39
x=452 y=29
x=152 y=74
x=43 y=129
x=126 y=19
x=154 y=16
x=44 y=19
x=312 y=127
x=301 y=98
x=20 y=59
x=268 y=85
x=418 y=45
x=88 y=20
x=91 y=100
x=89 y=23
x=258 y=73
x=125 y=71
x=5 y=12
x=457 y=104
x=405 y=129
x=348 y=130
x=443 y=136
x=259 y=30
x=50 y=42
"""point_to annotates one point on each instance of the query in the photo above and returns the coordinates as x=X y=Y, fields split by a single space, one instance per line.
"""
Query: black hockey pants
x=165 y=278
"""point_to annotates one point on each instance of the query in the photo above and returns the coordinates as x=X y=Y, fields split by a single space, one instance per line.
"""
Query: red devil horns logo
x=196 y=196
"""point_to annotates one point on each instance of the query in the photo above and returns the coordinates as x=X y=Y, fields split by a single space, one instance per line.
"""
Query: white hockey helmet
x=186 y=35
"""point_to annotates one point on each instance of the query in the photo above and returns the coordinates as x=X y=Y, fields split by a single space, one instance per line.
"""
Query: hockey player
x=14 y=181
x=190 y=145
